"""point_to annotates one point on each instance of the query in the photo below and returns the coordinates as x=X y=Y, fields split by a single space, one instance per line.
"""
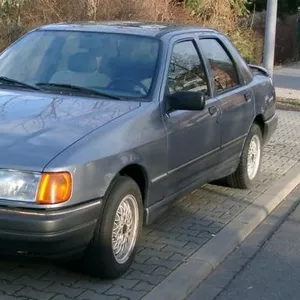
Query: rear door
x=235 y=96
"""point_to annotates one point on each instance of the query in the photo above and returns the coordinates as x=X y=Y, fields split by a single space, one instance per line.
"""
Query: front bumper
x=270 y=127
x=48 y=233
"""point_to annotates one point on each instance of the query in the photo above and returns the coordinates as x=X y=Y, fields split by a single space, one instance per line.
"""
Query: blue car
x=103 y=125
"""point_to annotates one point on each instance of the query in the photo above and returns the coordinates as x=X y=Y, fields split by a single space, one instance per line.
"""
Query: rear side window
x=222 y=67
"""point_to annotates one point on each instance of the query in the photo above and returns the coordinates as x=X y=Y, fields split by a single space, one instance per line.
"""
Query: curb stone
x=287 y=106
x=221 y=278
x=180 y=283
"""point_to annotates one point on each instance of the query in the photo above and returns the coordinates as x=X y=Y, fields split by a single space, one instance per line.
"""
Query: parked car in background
x=103 y=125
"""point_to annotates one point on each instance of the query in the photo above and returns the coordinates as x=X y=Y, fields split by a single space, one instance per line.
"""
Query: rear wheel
x=250 y=161
x=113 y=248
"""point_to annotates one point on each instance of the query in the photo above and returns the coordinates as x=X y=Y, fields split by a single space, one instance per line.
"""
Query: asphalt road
x=274 y=272
x=266 y=266
x=288 y=77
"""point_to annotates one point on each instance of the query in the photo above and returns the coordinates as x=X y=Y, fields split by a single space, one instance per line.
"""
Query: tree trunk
x=92 y=9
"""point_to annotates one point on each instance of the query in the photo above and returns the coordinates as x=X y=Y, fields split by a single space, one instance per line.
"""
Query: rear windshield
x=119 y=64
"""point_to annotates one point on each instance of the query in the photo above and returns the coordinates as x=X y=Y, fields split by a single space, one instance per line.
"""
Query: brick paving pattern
x=181 y=231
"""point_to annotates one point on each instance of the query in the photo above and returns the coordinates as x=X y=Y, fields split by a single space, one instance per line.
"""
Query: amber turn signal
x=54 y=188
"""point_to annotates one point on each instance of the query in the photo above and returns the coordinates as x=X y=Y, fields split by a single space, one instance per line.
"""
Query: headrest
x=82 y=63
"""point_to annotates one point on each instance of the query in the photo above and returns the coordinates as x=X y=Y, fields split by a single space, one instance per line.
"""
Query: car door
x=194 y=137
x=236 y=98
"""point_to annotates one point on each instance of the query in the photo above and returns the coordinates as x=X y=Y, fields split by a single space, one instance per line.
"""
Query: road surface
x=266 y=266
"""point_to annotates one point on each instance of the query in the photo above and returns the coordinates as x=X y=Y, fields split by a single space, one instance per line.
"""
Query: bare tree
x=92 y=9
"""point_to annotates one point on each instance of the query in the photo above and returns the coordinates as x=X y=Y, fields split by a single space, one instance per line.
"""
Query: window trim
x=240 y=79
x=202 y=61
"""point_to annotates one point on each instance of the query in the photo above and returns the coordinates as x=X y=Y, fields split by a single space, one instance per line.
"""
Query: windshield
x=114 y=64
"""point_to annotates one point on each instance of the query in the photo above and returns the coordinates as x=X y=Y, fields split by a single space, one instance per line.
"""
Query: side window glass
x=223 y=70
x=186 y=72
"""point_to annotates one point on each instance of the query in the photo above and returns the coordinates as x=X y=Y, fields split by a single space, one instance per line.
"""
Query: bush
x=10 y=33
x=18 y=16
x=286 y=39
x=232 y=18
x=249 y=43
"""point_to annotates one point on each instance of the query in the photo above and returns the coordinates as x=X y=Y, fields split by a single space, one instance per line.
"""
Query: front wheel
x=250 y=161
x=113 y=248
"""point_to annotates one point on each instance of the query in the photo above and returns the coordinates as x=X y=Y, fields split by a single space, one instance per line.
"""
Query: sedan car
x=103 y=125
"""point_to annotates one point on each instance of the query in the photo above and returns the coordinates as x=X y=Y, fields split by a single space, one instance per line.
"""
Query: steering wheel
x=128 y=84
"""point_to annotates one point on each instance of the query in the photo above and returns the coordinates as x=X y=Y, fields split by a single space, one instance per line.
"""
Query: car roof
x=128 y=27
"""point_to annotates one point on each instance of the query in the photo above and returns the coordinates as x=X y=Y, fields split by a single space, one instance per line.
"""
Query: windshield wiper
x=14 y=82
x=76 y=88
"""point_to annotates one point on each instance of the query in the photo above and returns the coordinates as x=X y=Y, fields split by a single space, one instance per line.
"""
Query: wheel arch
x=259 y=120
x=137 y=173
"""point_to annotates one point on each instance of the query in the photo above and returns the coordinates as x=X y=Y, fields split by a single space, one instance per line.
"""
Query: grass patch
x=295 y=102
x=288 y=104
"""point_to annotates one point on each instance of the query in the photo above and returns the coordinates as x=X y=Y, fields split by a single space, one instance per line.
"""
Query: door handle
x=247 y=96
x=212 y=110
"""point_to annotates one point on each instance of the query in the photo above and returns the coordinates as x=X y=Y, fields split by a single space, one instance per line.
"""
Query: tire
x=243 y=178
x=100 y=258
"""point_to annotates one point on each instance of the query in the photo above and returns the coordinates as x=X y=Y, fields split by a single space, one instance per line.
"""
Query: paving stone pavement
x=183 y=229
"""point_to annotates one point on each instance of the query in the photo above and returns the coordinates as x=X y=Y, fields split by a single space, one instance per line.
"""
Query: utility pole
x=270 y=35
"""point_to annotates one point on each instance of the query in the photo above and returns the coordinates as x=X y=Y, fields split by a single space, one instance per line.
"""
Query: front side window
x=186 y=71
x=119 y=64
x=223 y=69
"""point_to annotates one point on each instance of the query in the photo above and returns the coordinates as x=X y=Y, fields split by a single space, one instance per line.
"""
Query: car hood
x=35 y=127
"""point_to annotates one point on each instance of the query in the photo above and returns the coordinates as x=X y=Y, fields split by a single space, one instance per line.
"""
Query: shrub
x=249 y=43
x=232 y=18
x=18 y=16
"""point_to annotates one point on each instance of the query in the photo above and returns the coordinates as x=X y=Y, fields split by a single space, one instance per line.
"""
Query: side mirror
x=187 y=100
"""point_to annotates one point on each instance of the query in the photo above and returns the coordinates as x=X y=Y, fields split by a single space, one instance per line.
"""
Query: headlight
x=19 y=186
x=45 y=188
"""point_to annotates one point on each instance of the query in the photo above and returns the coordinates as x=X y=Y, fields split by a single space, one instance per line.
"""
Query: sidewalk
x=260 y=268
x=273 y=273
